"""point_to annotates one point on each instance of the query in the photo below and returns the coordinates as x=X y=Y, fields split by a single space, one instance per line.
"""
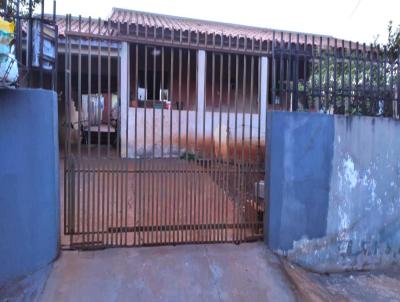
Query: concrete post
x=124 y=86
x=201 y=78
x=263 y=91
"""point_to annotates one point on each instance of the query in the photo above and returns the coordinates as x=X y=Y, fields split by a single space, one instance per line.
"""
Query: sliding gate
x=163 y=145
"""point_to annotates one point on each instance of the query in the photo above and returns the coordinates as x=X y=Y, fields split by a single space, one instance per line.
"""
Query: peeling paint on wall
x=363 y=221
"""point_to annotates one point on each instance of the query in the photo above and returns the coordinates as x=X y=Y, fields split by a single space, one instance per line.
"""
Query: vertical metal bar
x=364 y=96
x=235 y=155
x=144 y=175
x=296 y=74
x=85 y=188
x=109 y=95
x=103 y=200
x=41 y=44
x=55 y=67
x=335 y=77
x=126 y=161
x=281 y=69
x=99 y=90
x=327 y=92
x=66 y=160
x=398 y=87
x=180 y=206
x=356 y=90
x=93 y=171
x=212 y=198
x=118 y=124
x=350 y=76
x=189 y=197
x=313 y=73
x=383 y=96
x=18 y=47
x=342 y=93
x=220 y=196
x=152 y=161
x=112 y=202
x=378 y=77
x=259 y=150
x=173 y=206
x=117 y=173
x=228 y=176
x=305 y=57
x=371 y=83
x=391 y=95
x=250 y=165
x=205 y=162
x=89 y=96
x=204 y=158
x=98 y=201
x=139 y=162
x=30 y=44
x=121 y=174
x=79 y=87
x=320 y=73
x=273 y=70
x=136 y=200
x=158 y=162
x=107 y=185
x=242 y=160
x=162 y=193
x=196 y=209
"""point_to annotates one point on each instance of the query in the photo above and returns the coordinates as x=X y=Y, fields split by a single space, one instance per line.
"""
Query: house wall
x=236 y=98
x=173 y=127
x=334 y=193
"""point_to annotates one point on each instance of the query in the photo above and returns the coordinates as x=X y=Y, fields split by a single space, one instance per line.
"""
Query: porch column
x=124 y=90
x=263 y=91
x=201 y=78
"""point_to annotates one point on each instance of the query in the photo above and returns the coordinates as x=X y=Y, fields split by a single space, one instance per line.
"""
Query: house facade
x=195 y=80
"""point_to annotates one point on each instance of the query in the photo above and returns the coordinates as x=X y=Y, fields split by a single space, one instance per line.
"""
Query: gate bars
x=165 y=139
x=164 y=144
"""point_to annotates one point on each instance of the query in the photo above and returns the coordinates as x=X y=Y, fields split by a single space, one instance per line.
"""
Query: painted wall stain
x=350 y=173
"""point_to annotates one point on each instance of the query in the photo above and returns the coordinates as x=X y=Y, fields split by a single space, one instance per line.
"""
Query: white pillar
x=201 y=79
x=263 y=91
x=124 y=86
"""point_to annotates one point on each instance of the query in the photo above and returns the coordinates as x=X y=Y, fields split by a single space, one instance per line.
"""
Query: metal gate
x=164 y=144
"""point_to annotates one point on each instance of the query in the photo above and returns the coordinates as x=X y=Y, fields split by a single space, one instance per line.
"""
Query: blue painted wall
x=29 y=181
x=300 y=153
x=334 y=190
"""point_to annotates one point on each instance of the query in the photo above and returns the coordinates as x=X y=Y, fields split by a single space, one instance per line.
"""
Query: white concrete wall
x=171 y=135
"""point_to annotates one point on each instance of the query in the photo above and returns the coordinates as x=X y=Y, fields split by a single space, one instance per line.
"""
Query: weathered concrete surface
x=27 y=288
x=339 y=177
x=29 y=161
x=223 y=272
x=376 y=286
x=373 y=286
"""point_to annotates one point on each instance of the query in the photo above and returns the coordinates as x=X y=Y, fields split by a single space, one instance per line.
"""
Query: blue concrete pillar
x=29 y=181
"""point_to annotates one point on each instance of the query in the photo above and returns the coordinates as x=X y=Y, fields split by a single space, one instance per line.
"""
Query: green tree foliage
x=393 y=43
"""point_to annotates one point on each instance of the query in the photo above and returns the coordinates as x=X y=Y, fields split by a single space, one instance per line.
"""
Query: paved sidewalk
x=219 y=272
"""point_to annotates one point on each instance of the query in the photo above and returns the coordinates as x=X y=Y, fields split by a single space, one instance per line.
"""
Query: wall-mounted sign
x=49 y=37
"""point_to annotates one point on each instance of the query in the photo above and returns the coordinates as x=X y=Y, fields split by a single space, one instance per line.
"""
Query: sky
x=356 y=20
